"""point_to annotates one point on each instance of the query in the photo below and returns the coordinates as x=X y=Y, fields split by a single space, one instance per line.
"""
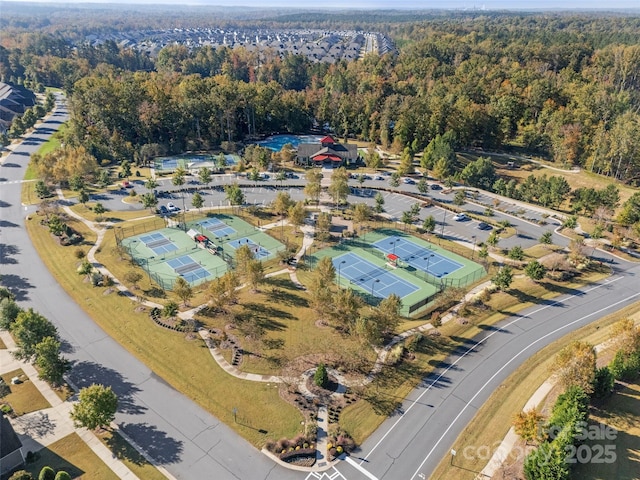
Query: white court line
x=474 y=346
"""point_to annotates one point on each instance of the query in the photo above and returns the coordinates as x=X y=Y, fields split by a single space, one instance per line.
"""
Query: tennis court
x=421 y=258
x=378 y=281
x=188 y=268
x=217 y=227
x=257 y=250
x=158 y=243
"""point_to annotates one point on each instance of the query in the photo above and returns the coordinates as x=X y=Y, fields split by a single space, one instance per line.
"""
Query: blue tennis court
x=188 y=268
x=257 y=250
x=217 y=227
x=158 y=243
x=375 y=280
x=418 y=257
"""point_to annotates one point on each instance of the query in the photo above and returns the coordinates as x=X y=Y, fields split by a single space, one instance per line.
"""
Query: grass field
x=24 y=397
x=73 y=456
x=493 y=419
x=621 y=412
x=259 y=405
x=130 y=456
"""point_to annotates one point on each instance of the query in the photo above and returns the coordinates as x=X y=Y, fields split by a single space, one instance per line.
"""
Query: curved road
x=184 y=438
x=192 y=444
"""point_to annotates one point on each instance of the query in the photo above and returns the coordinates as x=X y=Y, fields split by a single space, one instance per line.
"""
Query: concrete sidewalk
x=37 y=430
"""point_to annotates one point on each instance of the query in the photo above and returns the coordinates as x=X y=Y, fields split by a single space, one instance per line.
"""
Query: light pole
x=428 y=259
x=444 y=217
x=474 y=246
x=339 y=267
x=394 y=243
x=373 y=285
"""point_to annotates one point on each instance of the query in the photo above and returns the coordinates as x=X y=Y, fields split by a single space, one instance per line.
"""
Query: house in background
x=14 y=100
x=327 y=153
x=11 y=457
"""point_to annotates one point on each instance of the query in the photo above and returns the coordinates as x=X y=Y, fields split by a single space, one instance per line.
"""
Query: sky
x=391 y=4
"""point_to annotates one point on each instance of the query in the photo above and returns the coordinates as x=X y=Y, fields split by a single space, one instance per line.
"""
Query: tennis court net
x=158 y=243
x=187 y=268
x=368 y=276
x=212 y=227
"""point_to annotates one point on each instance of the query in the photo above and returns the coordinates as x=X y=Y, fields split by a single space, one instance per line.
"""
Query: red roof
x=201 y=238
x=320 y=158
x=327 y=139
x=392 y=256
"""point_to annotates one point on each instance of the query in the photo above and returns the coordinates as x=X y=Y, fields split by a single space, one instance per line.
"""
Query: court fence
x=166 y=281
x=439 y=282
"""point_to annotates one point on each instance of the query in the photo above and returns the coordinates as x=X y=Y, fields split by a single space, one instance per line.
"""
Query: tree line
x=565 y=87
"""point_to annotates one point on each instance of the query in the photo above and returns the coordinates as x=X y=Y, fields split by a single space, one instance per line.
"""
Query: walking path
x=39 y=429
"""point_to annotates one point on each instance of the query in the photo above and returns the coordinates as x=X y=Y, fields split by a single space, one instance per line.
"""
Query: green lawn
x=622 y=413
x=73 y=456
x=24 y=397
x=261 y=412
x=130 y=456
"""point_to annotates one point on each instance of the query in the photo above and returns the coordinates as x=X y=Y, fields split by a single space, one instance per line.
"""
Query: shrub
x=603 y=382
x=321 y=377
x=62 y=475
x=21 y=475
x=47 y=473
x=170 y=310
x=79 y=253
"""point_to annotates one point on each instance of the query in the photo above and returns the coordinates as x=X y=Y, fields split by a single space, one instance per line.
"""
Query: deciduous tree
x=575 y=365
x=96 y=407
x=29 y=329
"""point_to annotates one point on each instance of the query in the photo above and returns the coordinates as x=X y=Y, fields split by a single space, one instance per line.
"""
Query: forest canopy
x=563 y=86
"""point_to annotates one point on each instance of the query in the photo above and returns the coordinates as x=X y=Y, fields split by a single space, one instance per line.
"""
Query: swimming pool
x=276 y=142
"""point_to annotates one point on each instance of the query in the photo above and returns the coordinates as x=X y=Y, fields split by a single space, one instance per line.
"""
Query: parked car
x=172 y=208
x=163 y=210
x=378 y=177
x=435 y=186
x=460 y=217
x=408 y=181
x=127 y=184
x=484 y=226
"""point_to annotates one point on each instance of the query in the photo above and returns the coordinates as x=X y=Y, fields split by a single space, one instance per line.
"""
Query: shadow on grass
x=285 y=292
x=84 y=374
x=124 y=451
x=162 y=448
x=55 y=461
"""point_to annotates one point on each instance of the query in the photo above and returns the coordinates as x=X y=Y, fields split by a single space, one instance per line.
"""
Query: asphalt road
x=188 y=441
x=192 y=444
x=412 y=442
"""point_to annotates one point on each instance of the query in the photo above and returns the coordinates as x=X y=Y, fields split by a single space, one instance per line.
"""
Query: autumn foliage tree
x=575 y=366
x=528 y=425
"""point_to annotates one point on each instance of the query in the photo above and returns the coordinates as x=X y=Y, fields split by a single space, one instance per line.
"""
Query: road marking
x=472 y=348
x=322 y=475
x=511 y=360
x=359 y=467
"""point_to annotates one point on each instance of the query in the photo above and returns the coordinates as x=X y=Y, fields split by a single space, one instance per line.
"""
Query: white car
x=460 y=217
x=172 y=208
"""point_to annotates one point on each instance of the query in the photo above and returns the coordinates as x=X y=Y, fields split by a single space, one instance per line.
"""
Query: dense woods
x=561 y=86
